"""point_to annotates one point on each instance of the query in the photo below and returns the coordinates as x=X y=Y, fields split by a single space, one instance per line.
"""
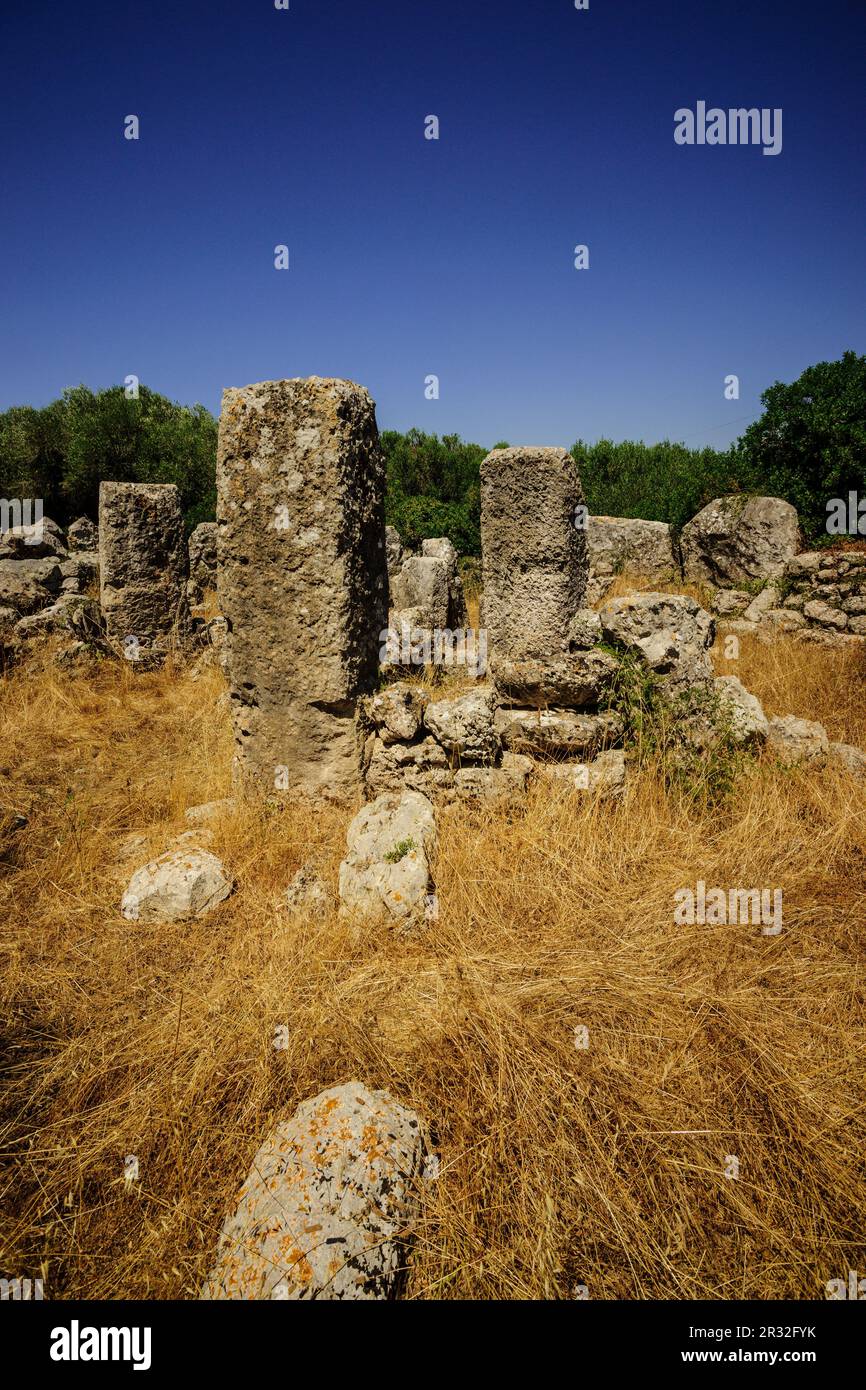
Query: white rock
x=798 y=740
x=178 y=885
x=386 y=876
x=741 y=711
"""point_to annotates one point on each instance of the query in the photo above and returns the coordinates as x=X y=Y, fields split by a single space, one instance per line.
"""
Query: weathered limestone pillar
x=301 y=577
x=534 y=550
x=143 y=564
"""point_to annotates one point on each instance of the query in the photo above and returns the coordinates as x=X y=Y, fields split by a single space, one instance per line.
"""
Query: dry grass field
x=561 y=1166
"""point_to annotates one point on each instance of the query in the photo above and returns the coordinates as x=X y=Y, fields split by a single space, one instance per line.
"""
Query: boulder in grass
x=179 y=885
x=386 y=874
x=798 y=740
x=329 y=1204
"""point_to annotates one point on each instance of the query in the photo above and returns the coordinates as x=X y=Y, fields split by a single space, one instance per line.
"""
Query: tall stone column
x=143 y=565
x=301 y=577
x=534 y=550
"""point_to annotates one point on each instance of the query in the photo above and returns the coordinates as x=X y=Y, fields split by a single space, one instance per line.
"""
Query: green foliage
x=62 y=452
x=687 y=737
x=434 y=488
x=400 y=850
x=810 y=443
x=656 y=482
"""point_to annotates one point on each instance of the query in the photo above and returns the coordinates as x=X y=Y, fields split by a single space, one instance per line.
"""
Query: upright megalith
x=302 y=577
x=533 y=543
x=143 y=565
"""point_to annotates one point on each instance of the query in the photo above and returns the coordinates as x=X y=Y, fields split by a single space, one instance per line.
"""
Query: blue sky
x=411 y=257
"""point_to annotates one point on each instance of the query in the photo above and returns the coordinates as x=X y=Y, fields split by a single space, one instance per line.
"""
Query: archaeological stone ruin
x=143 y=565
x=303 y=580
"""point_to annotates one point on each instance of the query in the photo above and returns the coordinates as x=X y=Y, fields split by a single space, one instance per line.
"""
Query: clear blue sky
x=410 y=256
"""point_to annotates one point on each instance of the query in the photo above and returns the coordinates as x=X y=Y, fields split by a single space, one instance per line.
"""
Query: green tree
x=810 y=443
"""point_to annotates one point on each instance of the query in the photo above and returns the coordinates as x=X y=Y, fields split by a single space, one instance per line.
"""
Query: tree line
x=808 y=446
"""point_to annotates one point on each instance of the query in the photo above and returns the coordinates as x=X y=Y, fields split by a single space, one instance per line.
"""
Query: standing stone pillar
x=302 y=577
x=534 y=551
x=143 y=565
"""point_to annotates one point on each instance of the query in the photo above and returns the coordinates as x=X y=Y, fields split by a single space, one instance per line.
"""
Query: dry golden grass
x=602 y=1166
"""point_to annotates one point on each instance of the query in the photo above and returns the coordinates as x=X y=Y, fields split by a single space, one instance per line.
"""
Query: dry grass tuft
x=602 y=1166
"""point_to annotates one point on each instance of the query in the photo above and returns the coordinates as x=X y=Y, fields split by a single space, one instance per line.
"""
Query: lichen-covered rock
x=464 y=725
x=797 y=740
x=558 y=732
x=328 y=1205
x=386 y=875
x=178 y=885
x=739 y=538
x=302 y=578
x=143 y=563
x=742 y=715
x=534 y=553
x=669 y=633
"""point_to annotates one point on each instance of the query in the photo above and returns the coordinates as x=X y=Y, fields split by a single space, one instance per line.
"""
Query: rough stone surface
x=848 y=757
x=395 y=712
x=202 y=560
x=730 y=603
x=644 y=548
x=28 y=585
x=769 y=597
x=739 y=538
x=556 y=732
x=423 y=584
x=534 y=556
x=797 y=740
x=464 y=725
x=178 y=885
x=575 y=678
x=392 y=767
x=606 y=774
x=741 y=711
x=670 y=634
x=386 y=874
x=83 y=535
x=440 y=548
x=36 y=541
x=328 y=1204
x=143 y=563
x=393 y=551
x=302 y=578
x=308 y=894
x=584 y=630
x=506 y=782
